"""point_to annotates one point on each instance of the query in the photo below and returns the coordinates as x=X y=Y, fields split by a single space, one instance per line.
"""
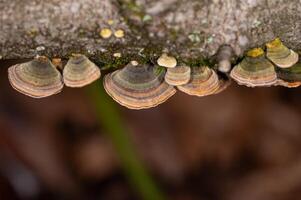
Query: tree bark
x=189 y=29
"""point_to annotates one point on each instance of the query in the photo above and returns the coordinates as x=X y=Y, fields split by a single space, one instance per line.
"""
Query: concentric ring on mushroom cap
x=37 y=78
x=289 y=77
x=254 y=70
x=204 y=81
x=280 y=55
x=179 y=75
x=292 y=74
x=138 y=87
x=224 y=83
x=287 y=84
x=80 y=71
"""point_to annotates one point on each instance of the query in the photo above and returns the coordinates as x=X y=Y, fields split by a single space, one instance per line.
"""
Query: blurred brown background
x=243 y=144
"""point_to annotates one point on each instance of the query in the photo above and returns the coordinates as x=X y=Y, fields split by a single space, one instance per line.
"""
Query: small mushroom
x=223 y=57
x=105 y=33
x=138 y=86
x=167 y=61
x=37 y=78
x=204 y=81
x=119 y=33
x=80 y=71
x=254 y=70
x=280 y=55
x=178 y=76
x=57 y=62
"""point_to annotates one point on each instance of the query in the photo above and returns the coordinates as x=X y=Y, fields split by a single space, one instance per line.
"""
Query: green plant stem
x=111 y=120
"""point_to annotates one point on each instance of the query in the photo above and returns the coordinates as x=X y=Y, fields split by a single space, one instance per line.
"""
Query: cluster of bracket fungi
x=141 y=86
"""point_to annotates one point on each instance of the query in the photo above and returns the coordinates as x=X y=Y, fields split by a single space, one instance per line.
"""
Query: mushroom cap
x=80 y=71
x=37 y=78
x=178 y=76
x=138 y=87
x=280 y=55
x=254 y=70
x=167 y=61
x=224 y=83
x=204 y=81
x=291 y=74
x=105 y=33
x=288 y=84
x=57 y=62
x=119 y=33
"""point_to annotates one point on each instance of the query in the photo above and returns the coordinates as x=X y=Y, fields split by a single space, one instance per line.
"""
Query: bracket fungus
x=141 y=86
x=224 y=83
x=254 y=70
x=280 y=55
x=138 y=86
x=291 y=74
x=37 y=78
x=179 y=75
x=204 y=81
x=167 y=61
x=287 y=84
x=80 y=71
x=290 y=77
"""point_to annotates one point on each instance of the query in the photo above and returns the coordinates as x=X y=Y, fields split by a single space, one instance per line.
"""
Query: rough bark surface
x=188 y=29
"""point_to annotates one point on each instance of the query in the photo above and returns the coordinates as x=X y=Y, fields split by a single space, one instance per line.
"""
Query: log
x=190 y=29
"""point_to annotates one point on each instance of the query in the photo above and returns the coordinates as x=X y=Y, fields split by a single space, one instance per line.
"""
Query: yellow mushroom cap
x=119 y=33
x=105 y=33
x=256 y=52
x=274 y=43
x=110 y=22
x=38 y=78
